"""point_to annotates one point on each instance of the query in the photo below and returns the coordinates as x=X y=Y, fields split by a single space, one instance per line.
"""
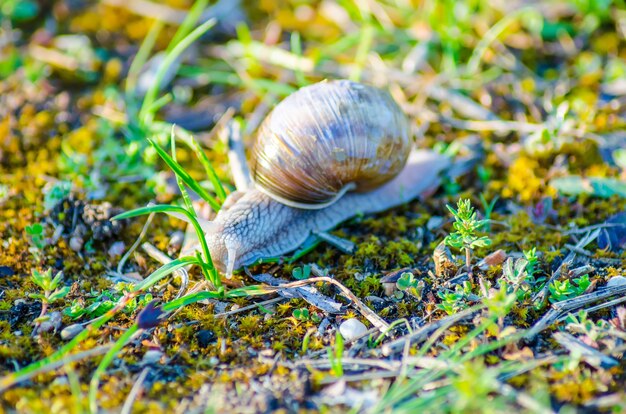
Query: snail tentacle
x=237 y=162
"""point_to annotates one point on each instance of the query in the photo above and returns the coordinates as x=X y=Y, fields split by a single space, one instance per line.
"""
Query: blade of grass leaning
x=492 y=34
x=273 y=55
x=94 y=384
x=246 y=291
x=179 y=181
x=141 y=58
x=193 y=15
x=145 y=116
x=207 y=263
x=163 y=271
x=160 y=103
x=365 y=44
x=184 y=175
x=189 y=299
x=296 y=48
x=193 y=144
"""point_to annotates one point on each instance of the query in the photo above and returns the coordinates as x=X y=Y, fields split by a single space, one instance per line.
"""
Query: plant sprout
x=51 y=291
x=466 y=226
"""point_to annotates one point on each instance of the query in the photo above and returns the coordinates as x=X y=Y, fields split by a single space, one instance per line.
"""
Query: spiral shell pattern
x=329 y=138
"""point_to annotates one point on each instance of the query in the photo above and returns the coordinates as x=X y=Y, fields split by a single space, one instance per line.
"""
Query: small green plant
x=515 y=275
x=301 y=273
x=104 y=302
x=55 y=193
x=533 y=260
x=301 y=314
x=36 y=238
x=409 y=284
x=451 y=302
x=563 y=290
x=501 y=301
x=51 y=291
x=335 y=356
x=49 y=286
x=488 y=209
x=466 y=226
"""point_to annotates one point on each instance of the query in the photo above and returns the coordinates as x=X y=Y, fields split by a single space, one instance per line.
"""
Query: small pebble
x=53 y=323
x=69 y=332
x=116 y=249
x=352 y=329
x=205 y=338
x=152 y=356
x=616 y=281
x=6 y=271
x=434 y=223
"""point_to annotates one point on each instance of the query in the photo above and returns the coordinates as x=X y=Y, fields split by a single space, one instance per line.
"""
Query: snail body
x=326 y=153
x=256 y=226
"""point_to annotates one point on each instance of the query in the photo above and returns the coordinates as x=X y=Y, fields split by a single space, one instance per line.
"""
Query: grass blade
x=194 y=14
x=163 y=271
x=193 y=144
x=145 y=115
x=106 y=361
x=179 y=181
x=142 y=57
x=184 y=175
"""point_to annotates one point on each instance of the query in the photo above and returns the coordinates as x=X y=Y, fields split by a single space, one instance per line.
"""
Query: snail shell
x=329 y=138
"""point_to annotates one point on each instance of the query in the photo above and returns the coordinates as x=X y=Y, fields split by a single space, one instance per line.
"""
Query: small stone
x=69 y=332
x=6 y=271
x=76 y=243
x=116 y=249
x=150 y=316
x=152 y=356
x=494 y=259
x=352 y=329
x=205 y=338
x=616 y=281
x=53 y=323
x=434 y=223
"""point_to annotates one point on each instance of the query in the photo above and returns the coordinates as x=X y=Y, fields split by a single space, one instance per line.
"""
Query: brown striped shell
x=329 y=138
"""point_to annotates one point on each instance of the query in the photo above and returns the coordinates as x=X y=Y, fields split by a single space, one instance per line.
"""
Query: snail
x=327 y=152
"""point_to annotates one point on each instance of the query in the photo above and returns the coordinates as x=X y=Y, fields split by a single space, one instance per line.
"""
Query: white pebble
x=69 y=332
x=152 y=356
x=352 y=329
x=616 y=281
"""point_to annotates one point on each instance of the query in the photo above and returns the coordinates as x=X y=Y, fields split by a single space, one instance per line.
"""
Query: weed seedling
x=36 y=238
x=301 y=314
x=532 y=259
x=301 y=273
x=451 y=302
x=563 y=290
x=407 y=283
x=465 y=238
x=50 y=294
x=335 y=355
x=515 y=275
